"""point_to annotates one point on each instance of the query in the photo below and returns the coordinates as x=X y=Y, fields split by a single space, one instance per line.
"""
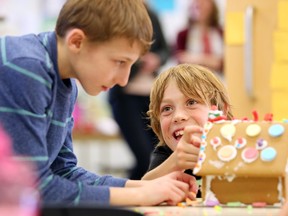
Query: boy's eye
x=119 y=62
x=191 y=102
x=165 y=109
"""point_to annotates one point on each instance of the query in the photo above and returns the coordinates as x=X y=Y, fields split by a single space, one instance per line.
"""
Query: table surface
x=206 y=211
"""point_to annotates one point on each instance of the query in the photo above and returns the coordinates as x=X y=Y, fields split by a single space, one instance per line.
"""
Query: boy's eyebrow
x=164 y=101
x=129 y=59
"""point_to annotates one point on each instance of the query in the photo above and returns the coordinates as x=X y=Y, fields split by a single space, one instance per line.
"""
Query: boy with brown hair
x=180 y=100
x=95 y=42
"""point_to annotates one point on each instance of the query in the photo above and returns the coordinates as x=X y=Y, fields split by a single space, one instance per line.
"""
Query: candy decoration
x=215 y=115
x=253 y=130
x=203 y=143
x=268 y=154
x=207 y=126
x=227 y=153
x=215 y=142
x=210 y=199
x=228 y=131
x=202 y=157
x=234 y=204
x=268 y=117
x=261 y=144
x=255 y=115
x=240 y=143
x=276 y=130
x=259 y=204
x=249 y=154
x=218 y=118
x=197 y=167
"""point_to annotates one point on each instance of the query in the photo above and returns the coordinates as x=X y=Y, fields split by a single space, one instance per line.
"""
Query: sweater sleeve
x=26 y=90
x=68 y=176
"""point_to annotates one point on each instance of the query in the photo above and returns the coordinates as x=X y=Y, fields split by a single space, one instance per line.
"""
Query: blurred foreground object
x=18 y=194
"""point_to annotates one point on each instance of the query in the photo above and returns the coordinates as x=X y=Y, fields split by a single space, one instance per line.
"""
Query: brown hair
x=102 y=20
x=213 y=20
x=194 y=81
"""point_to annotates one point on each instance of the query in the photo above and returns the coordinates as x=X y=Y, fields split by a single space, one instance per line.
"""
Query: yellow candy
x=227 y=153
x=253 y=130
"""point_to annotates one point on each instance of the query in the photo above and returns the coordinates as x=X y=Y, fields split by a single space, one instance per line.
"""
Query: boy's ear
x=75 y=39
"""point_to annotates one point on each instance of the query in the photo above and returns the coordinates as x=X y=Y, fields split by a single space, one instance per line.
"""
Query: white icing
x=220 y=177
x=286 y=168
x=278 y=205
x=196 y=168
x=228 y=131
x=280 y=189
x=240 y=164
x=208 y=126
x=230 y=178
x=209 y=179
x=216 y=163
x=235 y=121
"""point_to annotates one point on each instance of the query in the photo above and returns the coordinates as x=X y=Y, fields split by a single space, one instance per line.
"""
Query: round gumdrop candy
x=227 y=153
x=276 y=130
x=253 y=130
x=249 y=154
x=268 y=154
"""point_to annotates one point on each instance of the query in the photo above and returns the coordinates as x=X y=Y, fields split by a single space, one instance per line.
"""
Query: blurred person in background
x=201 y=42
x=129 y=104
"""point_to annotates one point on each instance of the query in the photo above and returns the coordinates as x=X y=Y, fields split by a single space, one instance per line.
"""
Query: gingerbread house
x=244 y=161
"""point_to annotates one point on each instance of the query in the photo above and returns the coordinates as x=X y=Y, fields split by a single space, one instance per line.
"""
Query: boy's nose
x=180 y=115
x=122 y=78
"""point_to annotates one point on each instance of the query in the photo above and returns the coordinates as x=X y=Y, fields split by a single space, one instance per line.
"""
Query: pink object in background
x=77 y=115
x=18 y=193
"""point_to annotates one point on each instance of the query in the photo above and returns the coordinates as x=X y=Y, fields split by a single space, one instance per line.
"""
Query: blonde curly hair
x=194 y=81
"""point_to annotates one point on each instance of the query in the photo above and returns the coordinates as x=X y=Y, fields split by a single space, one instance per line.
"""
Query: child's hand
x=187 y=150
x=172 y=188
x=284 y=209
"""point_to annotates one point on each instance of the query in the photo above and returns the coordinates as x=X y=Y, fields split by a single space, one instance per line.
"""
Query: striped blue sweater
x=36 y=111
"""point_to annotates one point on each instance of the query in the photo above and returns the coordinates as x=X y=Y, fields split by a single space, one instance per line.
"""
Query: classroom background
x=256 y=67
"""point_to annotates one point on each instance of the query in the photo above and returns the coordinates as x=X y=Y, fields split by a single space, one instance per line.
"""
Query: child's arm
x=183 y=157
x=166 y=167
x=172 y=188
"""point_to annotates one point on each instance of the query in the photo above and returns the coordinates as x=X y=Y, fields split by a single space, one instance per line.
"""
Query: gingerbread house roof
x=243 y=148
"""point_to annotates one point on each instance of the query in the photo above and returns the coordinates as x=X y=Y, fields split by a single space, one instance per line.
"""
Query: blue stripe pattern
x=19 y=69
